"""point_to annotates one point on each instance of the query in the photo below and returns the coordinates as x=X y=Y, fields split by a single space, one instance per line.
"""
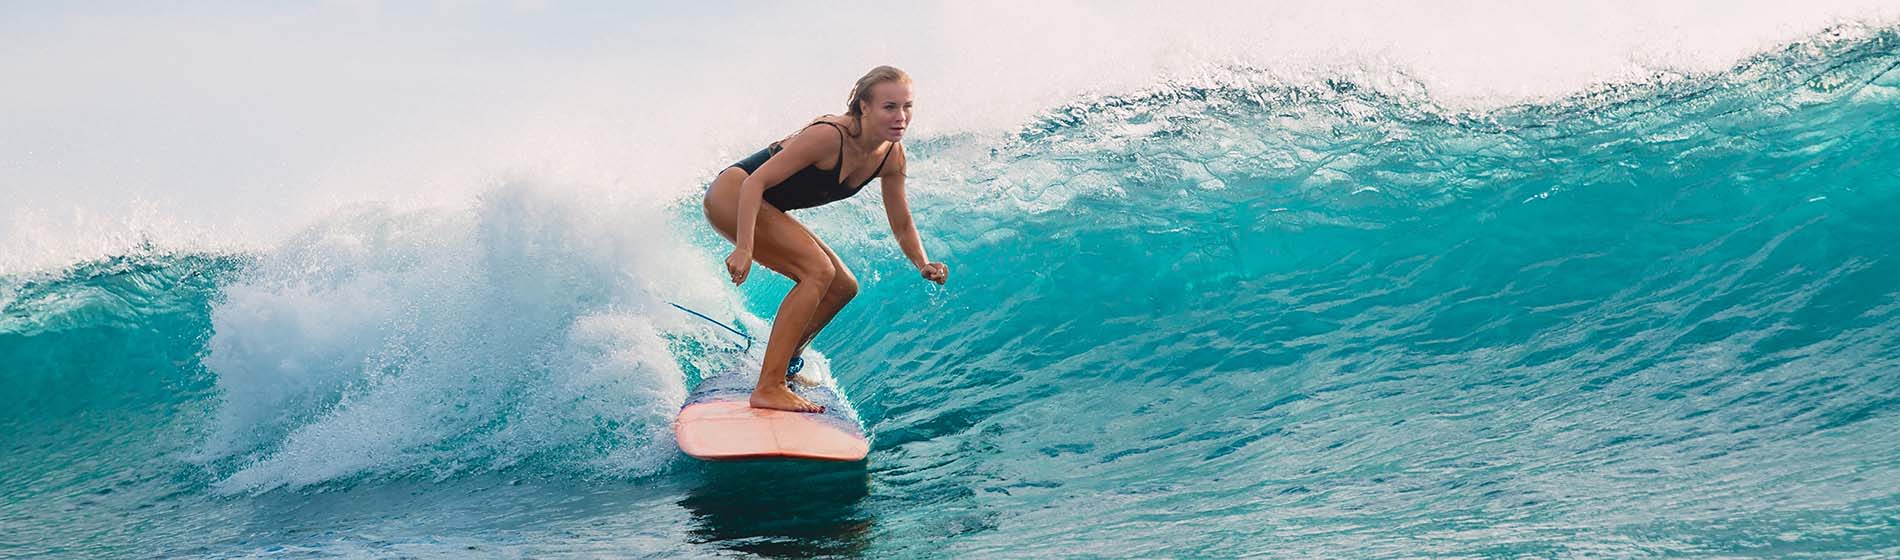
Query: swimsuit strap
x=836 y=168
x=880 y=165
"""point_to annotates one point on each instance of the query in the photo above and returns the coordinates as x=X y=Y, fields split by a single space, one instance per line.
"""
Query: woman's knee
x=844 y=286
x=820 y=274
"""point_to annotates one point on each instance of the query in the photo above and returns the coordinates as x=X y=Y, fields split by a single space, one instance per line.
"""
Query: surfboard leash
x=748 y=338
x=791 y=369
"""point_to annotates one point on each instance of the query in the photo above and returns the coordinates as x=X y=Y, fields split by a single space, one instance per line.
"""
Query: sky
x=234 y=123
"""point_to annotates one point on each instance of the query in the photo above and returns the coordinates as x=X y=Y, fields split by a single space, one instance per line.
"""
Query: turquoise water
x=1301 y=320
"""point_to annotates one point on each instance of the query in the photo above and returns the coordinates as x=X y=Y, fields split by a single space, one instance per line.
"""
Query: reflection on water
x=781 y=509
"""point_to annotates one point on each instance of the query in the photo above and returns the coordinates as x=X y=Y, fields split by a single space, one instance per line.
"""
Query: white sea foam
x=385 y=343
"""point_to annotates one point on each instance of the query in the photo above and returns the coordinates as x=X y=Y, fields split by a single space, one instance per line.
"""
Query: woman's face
x=888 y=110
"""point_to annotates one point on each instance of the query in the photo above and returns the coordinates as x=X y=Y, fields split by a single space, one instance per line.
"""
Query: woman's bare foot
x=777 y=397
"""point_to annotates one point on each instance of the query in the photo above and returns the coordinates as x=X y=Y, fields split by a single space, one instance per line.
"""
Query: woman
x=829 y=160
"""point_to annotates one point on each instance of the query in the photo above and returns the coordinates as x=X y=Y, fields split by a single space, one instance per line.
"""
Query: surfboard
x=718 y=424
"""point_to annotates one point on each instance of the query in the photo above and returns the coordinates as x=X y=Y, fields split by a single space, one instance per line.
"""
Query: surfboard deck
x=718 y=424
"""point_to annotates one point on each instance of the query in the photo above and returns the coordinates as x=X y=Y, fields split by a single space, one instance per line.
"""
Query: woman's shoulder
x=814 y=144
x=898 y=163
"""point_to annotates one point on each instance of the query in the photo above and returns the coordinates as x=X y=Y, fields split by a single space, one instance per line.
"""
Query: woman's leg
x=844 y=286
x=784 y=246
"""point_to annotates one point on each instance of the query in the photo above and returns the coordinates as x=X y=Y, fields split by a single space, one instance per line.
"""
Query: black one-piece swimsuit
x=810 y=186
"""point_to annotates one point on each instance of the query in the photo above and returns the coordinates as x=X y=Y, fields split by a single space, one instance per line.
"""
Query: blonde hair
x=862 y=91
x=859 y=94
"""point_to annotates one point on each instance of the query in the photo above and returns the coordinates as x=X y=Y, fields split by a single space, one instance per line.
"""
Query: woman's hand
x=935 y=272
x=739 y=264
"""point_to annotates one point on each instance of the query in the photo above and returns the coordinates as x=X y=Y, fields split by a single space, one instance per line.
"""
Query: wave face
x=1327 y=319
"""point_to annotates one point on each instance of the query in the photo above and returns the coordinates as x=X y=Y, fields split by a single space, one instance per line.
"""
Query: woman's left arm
x=898 y=210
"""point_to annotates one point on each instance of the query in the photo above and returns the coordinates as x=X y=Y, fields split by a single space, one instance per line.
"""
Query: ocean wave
x=1650 y=302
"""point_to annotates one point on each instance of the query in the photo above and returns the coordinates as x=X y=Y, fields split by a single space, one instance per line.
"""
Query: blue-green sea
x=1244 y=316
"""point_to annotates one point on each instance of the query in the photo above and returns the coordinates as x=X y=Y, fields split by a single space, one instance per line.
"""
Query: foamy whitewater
x=1335 y=280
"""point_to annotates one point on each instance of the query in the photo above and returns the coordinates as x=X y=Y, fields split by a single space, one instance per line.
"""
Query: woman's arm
x=796 y=152
x=897 y=209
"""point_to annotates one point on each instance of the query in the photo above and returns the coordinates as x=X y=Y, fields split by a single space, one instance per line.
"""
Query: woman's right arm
x=797 y=152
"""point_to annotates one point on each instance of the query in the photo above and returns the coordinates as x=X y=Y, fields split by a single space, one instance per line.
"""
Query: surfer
x=828 y=160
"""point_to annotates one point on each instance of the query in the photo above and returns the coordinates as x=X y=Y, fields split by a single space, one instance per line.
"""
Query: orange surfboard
x=717 y=424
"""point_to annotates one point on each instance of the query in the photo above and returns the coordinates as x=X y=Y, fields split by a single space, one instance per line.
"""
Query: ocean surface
x=1236 y=316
